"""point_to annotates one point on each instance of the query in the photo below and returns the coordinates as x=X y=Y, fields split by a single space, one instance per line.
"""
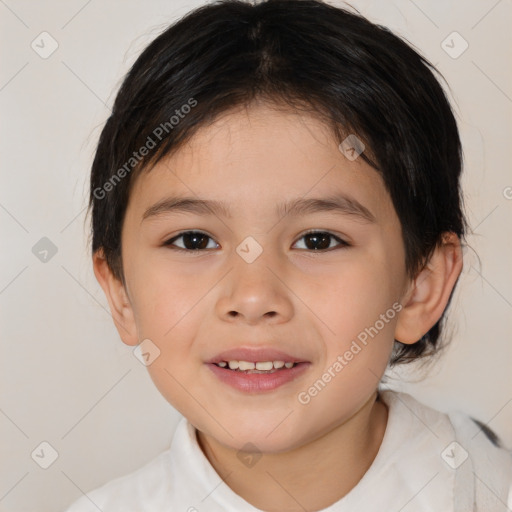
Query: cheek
x=168 y=314
x=354 y=297
x=164 y=299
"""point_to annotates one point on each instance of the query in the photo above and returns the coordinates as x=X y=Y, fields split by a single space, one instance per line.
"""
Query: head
x=329 y=160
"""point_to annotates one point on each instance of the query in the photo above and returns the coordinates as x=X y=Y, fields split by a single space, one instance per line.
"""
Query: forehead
x=255 y=158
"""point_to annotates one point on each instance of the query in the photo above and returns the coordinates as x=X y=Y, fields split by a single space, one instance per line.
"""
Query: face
x=252 y=278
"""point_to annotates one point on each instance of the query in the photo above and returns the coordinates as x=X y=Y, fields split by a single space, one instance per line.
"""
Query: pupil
x=190 y=241
x=316 y=237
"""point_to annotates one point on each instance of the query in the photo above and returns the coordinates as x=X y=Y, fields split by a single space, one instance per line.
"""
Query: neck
x=312 y=476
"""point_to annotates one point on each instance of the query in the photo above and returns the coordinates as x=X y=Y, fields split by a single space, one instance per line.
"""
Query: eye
x=316 y=241
x=192 y=241
x=321 y=241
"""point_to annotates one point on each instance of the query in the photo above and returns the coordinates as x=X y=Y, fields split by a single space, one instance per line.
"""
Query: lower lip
x=258 y=382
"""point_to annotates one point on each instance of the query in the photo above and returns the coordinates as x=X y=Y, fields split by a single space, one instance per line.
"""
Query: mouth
x=261 y=367
x=257 y=370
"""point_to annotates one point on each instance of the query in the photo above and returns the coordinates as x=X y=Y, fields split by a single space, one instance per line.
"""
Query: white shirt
x=427 y=462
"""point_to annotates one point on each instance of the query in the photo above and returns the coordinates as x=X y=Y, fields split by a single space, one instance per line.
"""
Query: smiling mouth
x=265 y=367
x=258 y=376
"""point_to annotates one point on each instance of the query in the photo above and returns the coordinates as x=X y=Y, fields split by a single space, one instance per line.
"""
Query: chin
x=268 y=434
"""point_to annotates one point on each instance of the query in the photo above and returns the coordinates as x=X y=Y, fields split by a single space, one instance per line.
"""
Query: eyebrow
x=339 y=203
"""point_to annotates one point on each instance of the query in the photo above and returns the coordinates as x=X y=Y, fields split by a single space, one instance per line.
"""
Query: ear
x=428 y=294
x=120 y=307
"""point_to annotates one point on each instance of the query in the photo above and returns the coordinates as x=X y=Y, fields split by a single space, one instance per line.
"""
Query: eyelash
x=342 y=243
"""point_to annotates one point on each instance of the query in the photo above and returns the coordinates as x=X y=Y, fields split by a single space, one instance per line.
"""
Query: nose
x=255 y=293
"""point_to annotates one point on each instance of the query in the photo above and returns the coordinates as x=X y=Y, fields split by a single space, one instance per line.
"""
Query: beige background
x=66 y=378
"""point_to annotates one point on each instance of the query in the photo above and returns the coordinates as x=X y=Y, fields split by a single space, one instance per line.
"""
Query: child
x=244 y=138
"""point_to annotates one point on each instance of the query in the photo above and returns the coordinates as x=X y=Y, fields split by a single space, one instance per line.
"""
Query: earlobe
x=429 y=293
x=120 y=307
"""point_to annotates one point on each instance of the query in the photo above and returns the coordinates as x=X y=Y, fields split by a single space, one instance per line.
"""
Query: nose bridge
x=251 y=261
x=255 y=291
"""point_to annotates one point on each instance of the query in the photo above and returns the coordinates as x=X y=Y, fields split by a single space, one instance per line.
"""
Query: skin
x=304 y=302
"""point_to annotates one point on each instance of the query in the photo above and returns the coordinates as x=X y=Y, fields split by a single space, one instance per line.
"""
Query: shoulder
x=491 y=461
x=149 y=488
x=139 y=490
x=469 y=449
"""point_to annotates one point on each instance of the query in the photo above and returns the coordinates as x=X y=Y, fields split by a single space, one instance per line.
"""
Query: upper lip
x=254 y=355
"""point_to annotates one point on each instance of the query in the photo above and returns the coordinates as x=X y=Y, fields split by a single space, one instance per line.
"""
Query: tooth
x=245 y=365
x=278 y=364
x=288 y=365
x=222 y=364
x=266 y=365
x=233 y=365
